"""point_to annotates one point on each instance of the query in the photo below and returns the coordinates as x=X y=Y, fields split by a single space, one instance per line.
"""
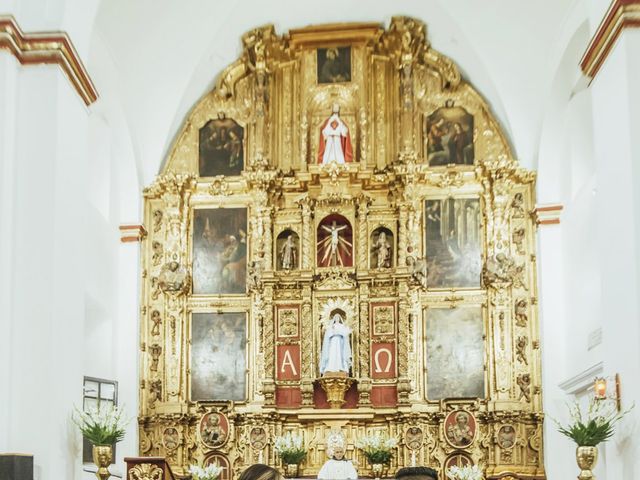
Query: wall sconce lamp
x=603 y=391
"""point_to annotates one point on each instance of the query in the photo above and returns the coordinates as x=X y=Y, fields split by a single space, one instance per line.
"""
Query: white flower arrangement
x=101 y=426
x=465 y=473
x=290 y=448
x=210 y=472
x=377 y=448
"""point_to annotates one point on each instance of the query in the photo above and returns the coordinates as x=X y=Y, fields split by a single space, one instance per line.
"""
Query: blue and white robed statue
x=336 y=347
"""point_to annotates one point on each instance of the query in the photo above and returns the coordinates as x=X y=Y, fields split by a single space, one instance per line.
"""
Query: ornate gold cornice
x=49 y=48
x=621 y=14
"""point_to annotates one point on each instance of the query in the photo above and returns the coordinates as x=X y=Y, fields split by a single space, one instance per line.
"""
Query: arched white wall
x=69 y=287
x=589 y=263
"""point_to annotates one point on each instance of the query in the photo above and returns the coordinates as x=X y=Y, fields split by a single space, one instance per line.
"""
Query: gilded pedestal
x=102 y=457
x=587 y=458
x=336 y=385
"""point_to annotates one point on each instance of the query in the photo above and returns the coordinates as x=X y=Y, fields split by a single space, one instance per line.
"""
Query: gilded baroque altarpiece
x=414 y=226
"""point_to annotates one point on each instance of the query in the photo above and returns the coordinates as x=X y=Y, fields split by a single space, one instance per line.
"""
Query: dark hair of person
x=260 y=472
x=417 y=473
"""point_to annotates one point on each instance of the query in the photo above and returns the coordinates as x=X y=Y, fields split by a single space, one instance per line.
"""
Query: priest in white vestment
x=335 y=140
x=338 y=467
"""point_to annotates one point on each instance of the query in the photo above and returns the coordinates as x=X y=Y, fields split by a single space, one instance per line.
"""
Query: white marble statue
x=337 y=467
x=336 y=347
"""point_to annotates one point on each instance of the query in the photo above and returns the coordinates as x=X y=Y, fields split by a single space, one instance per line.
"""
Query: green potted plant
x=589 y=428
x=290 y=448
x=378 y=449
x=103 y=427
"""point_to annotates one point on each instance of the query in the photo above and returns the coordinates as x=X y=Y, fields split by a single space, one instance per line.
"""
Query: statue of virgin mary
x=336 y=347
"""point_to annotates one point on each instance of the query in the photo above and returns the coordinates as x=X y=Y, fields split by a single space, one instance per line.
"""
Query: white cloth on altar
x=338 y=470
x=333 y=132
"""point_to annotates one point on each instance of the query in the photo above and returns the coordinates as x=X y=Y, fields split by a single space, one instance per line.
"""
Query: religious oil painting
x=334 y=64
x=507 y=436
x=335 y=242
x=460 y=428
x=214 y=429
x=219 y=251
x=288 y=250
x=449 y=132
x=170 y=438
x=221 y=148
x=258 y=438
x=453 y=243
x=455 y=353
x=218 y=358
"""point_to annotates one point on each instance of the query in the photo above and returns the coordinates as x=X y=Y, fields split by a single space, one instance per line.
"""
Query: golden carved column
x=403 y=215
x=404 y=311
x=268 y=345
x=308 y=360
x=362 y=212
x=170 y=282
x=308 y=238
x=304 y=140
x=364 y=382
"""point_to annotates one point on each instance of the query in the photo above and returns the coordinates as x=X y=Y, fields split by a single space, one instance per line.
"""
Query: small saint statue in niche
x=335 y=140
x=336 y=347
x=382 y=251
x=289 y=254
x=335 y=249
x=337 y=467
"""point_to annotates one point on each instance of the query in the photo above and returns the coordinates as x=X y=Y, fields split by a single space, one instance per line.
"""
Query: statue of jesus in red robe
x=335 y=140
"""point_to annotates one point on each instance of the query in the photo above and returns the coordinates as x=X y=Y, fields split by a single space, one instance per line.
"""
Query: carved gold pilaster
x=403 y=216
x=268 y=343
x=362 y=213
x=308 y=238
x=404 y=312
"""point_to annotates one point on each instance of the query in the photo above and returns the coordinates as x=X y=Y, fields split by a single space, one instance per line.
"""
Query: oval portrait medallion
x=258 y=438
x=413 y=438
x=506 y=436
x=460 y=428
x=170 y=438
x=214 y=429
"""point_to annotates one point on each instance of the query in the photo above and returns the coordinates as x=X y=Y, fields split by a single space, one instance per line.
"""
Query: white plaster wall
x=69 y=288
x=8 y=86
x=618 y=211
x=589 y=264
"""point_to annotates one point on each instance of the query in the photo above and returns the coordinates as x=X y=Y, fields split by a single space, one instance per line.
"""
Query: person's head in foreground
x=338 y=453
x=260 y=472
x=416 y=473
